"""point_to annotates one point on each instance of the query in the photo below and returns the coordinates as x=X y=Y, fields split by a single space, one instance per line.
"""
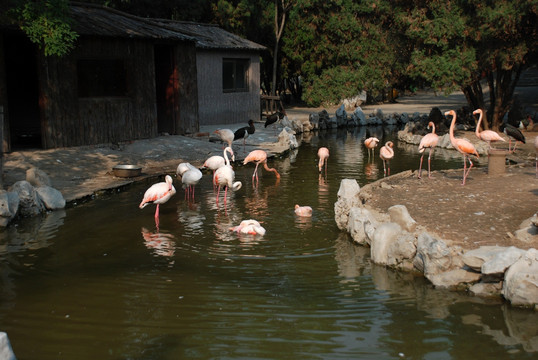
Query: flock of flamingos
x=224 y=175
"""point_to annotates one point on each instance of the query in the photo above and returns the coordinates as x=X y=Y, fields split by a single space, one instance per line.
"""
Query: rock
x=402 y=251
x=384 y=236
x=434 y=256
x=287 y=138
x=400 y=215
x=477 y=257
x=30 y=203
x=6 y=352
x=52 y=198
x=520 y=285
x=502 y=260
x=486 y=289
x=37 y=177
x=314 y=120
x=358 y=216
x=453 y=278
x=348 y=197
x=359 y=116
x=528 y=230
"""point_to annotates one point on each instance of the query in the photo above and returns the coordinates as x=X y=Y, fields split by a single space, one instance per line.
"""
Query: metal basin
x=127 y=170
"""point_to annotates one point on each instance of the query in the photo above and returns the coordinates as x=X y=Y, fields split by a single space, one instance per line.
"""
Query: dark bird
x=513 y=133
x=244 y=132
x=273 y=118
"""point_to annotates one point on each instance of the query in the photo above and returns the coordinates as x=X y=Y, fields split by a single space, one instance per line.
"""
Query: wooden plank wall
x=217 y=107
x=70 y=121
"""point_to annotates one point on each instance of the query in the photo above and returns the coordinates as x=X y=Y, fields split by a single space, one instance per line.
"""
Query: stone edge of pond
x=397 y=241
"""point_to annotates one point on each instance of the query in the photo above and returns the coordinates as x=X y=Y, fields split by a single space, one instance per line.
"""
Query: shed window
x=100 y=78
x=235 y=75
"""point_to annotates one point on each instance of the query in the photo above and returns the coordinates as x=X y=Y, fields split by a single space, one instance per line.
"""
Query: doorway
x=166 y=83
x=22 y=92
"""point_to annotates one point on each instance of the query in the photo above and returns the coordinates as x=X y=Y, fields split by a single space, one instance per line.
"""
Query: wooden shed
x=228 y=73
x=127 y=79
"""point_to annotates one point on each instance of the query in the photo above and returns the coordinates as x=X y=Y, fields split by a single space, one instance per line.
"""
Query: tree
x=47 y=24
x=281 y=10
x=465 y=44
x=340 y=48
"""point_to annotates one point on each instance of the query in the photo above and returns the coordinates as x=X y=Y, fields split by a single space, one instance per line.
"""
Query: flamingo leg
x=420 y=167
x=225 y=194
x=157 y=216
x=218 y=193
x=429 y=162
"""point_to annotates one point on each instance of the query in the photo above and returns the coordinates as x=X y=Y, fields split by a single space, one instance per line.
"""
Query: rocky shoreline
x=396 y=240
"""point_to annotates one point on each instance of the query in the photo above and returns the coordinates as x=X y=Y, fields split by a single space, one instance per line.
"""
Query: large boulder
x=30 y=202
x=348 y=197
x=400 y=215
x=384 y=236
x=6 y=352
x=9 y=206
x=520 y=285
x=52 y=198
x=434 y=256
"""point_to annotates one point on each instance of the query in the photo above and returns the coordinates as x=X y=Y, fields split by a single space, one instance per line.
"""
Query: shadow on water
x=99 y=281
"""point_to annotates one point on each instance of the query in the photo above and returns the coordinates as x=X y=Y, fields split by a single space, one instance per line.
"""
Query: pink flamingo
x=486 y=135
x=428 y=141
x=305 y=211
x=189 y=180
x=386 y=153
x=371 y=144
x=225 y=176
x=323 y=154
x=258 y=157
x=462 y=145
x=251 y=227
x=158 y=193
x=226 y=135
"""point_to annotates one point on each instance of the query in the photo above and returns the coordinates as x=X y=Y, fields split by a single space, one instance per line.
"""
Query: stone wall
x=396 y=240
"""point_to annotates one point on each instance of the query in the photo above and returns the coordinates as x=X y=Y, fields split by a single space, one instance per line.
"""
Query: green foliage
x=47 y=24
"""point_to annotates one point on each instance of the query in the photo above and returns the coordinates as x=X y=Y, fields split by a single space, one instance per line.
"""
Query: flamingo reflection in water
x=371 y=171
x=162 y=244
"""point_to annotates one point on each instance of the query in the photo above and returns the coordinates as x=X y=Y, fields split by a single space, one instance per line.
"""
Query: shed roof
x=92 y=19
x=210 y=36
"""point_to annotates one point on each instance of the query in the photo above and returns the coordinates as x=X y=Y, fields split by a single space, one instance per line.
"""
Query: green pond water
x=98 y=281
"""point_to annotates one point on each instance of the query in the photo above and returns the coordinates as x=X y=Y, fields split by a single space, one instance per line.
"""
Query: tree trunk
x=278 y=35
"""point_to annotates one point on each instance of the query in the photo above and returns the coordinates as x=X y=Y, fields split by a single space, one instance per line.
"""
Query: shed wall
x=68 y=120
x=218 y=107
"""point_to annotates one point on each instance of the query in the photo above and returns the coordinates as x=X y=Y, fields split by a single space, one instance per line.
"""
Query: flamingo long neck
x=451 y=130
x=271 y=169
x=433 y=127
x=226 y=160
x=477 y=131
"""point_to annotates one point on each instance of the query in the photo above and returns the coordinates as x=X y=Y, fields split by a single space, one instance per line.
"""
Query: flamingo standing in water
x=371 y=144
x=386 y=153
x=158 y=193
x=428 y=141
x=462 y=145
x=226 y=135
x=486 y=135
x=305 y=211
x=323 y=154
x=258 y=157
x=225 y=176
x=189 y=180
